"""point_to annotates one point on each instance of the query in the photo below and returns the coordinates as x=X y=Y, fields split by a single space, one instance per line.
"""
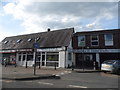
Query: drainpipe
x=65 y=55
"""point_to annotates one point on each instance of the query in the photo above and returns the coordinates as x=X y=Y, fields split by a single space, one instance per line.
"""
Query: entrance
x=84 y=61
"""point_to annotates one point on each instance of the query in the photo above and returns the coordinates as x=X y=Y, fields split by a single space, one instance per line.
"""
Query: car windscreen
x=109 y=62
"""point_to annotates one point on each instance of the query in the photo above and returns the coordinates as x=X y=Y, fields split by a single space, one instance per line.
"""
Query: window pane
x=69 y=56
x=107 y=43
x=52 y=57
x=52 y=64
x=108 y=37
x=81 y=38
x=30 y=58
x=108 y=40
x=94 y=37
x=81 y=44
x=24 y=57
x=94 y=43
x=81 y=41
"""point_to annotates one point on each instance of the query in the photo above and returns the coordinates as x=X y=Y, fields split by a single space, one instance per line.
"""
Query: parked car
x=112 y=66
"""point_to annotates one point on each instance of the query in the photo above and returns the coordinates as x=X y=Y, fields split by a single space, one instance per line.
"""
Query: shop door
x=19 y=60
x=84 y=61
x=88 y=61
x=42 y=60
x=22 y=59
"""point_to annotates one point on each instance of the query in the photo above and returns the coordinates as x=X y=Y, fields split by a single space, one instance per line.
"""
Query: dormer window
x=29 y=39
x=18 y=41
x=5 y=42
x=37 y=38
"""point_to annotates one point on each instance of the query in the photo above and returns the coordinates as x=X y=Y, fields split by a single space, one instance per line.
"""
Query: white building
x=47 y=48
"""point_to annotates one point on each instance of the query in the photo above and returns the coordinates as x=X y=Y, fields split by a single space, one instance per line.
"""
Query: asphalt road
x=69 y=80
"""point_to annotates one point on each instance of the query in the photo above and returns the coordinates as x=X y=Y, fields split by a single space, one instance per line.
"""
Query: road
x=69 y=80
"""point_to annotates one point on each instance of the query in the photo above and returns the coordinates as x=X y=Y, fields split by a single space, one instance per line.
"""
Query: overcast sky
x=25 y=16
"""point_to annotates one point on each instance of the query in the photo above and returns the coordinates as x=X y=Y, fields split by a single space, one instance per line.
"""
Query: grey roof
x=57 y=38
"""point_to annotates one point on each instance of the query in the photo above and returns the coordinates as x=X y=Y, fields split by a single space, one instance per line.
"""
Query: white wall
x=62 y=59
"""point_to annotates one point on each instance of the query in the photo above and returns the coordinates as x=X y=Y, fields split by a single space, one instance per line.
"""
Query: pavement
x=23 y=73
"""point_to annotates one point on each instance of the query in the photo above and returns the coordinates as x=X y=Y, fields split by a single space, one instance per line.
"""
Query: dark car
x=112 y=66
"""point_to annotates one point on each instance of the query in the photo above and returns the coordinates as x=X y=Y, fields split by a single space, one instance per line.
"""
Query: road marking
x=45 y=83
x=8 y=81
x=27 y=81
x=74 y=86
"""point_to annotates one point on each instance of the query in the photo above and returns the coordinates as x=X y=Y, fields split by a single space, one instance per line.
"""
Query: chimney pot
x=48 y=29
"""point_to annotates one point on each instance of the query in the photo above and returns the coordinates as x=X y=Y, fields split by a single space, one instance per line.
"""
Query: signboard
x=96 y=50
x=36 y=45
x=7 y=51
x=51 y=49
x=13 y=51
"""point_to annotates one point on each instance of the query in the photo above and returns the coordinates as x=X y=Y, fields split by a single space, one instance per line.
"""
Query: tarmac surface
x=21 y=77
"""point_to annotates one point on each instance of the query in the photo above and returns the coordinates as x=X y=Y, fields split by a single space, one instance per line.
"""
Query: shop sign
x=24 y=50
x=51 y=49
x=7 y=51
x=97 y=51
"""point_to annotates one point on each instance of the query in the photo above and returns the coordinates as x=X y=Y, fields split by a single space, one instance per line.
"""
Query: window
x=69 y=56
x=52 y=59
x=29 y=39
x=5 y=42
x=37 y=38
x=94 y=40
x=18 y=41
x=108 y=39
x=81 y=40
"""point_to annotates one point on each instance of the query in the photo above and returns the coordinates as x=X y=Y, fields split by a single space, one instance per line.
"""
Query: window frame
x=95 y=40
x=105 y=38
x=81 y=41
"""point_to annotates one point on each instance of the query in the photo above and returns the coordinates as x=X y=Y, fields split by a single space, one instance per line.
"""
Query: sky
x=19 y=17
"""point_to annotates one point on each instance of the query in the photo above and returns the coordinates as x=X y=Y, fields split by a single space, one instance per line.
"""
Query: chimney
x=48 y=29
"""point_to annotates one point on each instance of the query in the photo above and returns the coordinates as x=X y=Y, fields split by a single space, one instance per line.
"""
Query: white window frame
x=106 y=41
x=95 y=40
x=81 y=41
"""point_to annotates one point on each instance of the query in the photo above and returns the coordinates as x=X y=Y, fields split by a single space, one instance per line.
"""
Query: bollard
x=72 y=66
x=39 y=65
x=15 y=65
x=26 y=64
x=55 y=65
x=94 y=65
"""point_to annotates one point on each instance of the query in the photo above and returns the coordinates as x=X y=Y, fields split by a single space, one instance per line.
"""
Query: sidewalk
x=22 y=73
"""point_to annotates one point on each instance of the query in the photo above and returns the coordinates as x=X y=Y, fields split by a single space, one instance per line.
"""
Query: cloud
x=38 y=16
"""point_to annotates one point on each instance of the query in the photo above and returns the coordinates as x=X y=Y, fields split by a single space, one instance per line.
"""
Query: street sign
x=36 y=45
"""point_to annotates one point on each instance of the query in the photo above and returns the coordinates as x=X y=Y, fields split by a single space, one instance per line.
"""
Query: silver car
x=112 y=66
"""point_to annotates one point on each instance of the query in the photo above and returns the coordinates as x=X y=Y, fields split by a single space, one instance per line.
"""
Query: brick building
x=95 y=46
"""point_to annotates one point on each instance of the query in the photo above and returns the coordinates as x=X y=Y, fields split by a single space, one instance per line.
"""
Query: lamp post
x=34 y=58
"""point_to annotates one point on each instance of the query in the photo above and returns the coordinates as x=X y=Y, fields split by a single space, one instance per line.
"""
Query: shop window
x=108 y=39
x=81 y=40
x=29 y=57
x=69 y=56
x=19 y=57
x=94 y=40
x=52 y=59
x=52 y=64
